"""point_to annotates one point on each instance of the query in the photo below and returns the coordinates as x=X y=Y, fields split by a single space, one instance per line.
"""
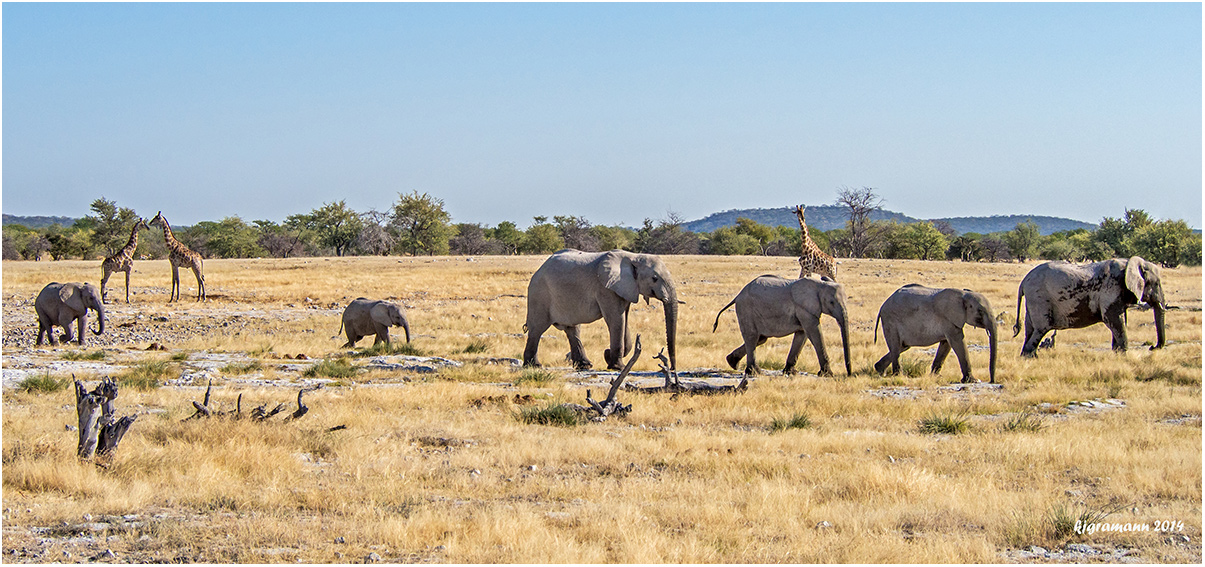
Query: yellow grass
x=422 y=472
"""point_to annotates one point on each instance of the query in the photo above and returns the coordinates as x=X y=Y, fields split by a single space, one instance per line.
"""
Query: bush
x=797 y=421
x=43 y=384
x=337 y=368
x=146 y=375
x=83 y=355
x=1024 y=421
x=549 y=415
x=476 y=347
x=949 y=424
x=537 y=376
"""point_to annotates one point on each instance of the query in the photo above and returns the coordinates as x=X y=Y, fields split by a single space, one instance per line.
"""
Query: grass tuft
x=43 y=384
x=948 y=423
x=253 y=366
x=476 y=347
x=1061 y=520
x=337 y=368
x=535 y=376
x=1024 y=421
x=83 y=355
x=179 y=357
x=797 y=421
x=146 y=376
x=391 y=348
x=558 y=414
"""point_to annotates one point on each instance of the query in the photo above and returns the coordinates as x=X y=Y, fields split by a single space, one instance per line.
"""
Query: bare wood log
x=302 y=408
x=609 y=406
x=87 y=407
x=111 y=434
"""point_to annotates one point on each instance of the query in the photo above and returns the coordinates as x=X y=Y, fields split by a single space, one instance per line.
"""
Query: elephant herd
x=572 y=288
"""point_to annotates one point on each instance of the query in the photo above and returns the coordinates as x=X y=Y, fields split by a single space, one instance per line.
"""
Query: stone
x=372 y=558
x=823 y=525
x=1037 y=549
x=1081 y=548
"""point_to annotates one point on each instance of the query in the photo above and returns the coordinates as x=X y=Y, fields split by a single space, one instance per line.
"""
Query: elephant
x=918 y=316
x=61 y=304
x=364 y=317
x=573 y=288
x=772 y=306
x=1061 y=295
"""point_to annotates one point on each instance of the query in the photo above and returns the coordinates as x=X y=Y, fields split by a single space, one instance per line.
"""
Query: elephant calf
x=364 y=317
x=63 y=303
x=919 y=316
x=770 y=306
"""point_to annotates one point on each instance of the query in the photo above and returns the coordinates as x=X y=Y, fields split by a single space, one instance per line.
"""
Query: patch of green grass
x=83 y=355
x=797 y=421
x=337 y=368
x=476 y=347
x=146 y=376
x=913 y=368
x=1061 y=519
x=949 y=423
x=179 y=357
x=535 y=376
x=549 y=415
x=253 y=366
x=43 y=384
x=393 y=347
x=1024 y=421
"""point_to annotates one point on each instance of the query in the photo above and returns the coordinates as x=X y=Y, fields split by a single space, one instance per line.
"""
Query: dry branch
x=260 y=413
x=674 y=386
x=99 y=431
x=610 y=406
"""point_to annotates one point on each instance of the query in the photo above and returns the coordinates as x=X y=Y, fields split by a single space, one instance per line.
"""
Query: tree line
x=418 y=224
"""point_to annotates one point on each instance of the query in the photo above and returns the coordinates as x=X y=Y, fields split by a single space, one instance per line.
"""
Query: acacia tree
x=375 y=237
x=110 y=225
x=925 y=240
x=859 y=203
x=1023 y=240
x=421 y=224
x=335 y=224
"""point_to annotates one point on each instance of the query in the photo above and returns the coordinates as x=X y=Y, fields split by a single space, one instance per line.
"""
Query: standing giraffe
x=122 y=261
x=812 y=260
x=180 y=256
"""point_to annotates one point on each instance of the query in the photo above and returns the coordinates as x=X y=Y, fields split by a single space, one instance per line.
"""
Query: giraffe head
x=141 y=225
x=159 y=221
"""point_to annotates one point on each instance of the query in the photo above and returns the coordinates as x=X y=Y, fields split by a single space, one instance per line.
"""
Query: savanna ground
x=439 y=466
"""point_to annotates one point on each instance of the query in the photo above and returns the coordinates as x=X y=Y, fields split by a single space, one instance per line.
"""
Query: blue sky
x=615 y=112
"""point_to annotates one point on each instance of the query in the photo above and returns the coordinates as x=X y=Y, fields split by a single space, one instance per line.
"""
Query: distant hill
x=38 y=222
x=821 y=217
x=828 y=217
x=985 y=225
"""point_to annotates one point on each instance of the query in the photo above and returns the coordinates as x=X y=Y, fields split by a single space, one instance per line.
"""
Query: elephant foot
x=825 y=372
x=733 y=361
x=584 y=364
x=789 y=371
x=969 y=380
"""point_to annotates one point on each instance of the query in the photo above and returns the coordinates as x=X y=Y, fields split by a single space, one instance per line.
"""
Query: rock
x=372 y=557
x=340 y=540
x=301 y=357
x=531 y=468
x=87 y=517
x=823 y=525
x=1037 y=550
x=1081 y=548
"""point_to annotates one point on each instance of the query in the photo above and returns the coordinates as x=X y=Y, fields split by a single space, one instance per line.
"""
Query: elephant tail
x=717 y=315
x=1017 y=322
x=877 y=318
x=341 y=328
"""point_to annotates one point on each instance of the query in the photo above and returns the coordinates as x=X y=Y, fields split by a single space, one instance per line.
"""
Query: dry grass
x=424 y=472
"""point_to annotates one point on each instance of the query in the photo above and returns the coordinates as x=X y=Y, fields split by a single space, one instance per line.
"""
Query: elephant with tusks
x=1061 y=295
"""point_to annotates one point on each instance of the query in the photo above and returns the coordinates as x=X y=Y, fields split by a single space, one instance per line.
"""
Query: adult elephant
x=1060 y=295
x=573 y=288
x=63 y=303
x=919 y=316
x=364 y=317
x=771 y=306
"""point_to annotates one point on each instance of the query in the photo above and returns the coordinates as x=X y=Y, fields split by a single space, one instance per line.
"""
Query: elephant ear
x=72 y=296
x=617 y=273
x=1134 y=280
x=380 y=314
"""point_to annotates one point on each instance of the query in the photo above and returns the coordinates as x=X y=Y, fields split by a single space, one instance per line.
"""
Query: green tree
x=508 y=235
x=541 y=238
x=228 y=238
x=110 y=225
x=1023 y=240
x=965 y=247
x=576 y=233
x=334 y=225
x=924 y=241
x=1161 y=241
x=761 y=234
x=613 y=237
x=422 y=224
x=665 y=237
x=728 y=241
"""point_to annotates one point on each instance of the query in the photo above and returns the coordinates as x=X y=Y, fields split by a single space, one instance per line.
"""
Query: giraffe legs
x=196 y=271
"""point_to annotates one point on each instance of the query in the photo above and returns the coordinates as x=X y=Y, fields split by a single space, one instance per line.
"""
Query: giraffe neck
x=803 y=227
x=132 y=244
x=167 y=233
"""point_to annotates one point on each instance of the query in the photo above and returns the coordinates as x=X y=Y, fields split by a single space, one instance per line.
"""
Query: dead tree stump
x=99 y=431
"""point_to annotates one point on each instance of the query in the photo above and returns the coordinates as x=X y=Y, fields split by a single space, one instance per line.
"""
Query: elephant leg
x=45 y=328
x=82 y=325
x=535 y=329
x=617 y=327
x=797 y=342
x=880 y=367
x=734 y=357
x=352 y=339
x=943 y=350
x=751 y=344
x=577 y=354
x=65 y=322
x=382 y=334
x=958 y=345
x=1113 y=320
x=1033 y=337
x=813 y=332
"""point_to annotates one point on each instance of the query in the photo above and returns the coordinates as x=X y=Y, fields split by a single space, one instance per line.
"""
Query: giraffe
x=811 y=258
x=180 y=256
x=122 y=261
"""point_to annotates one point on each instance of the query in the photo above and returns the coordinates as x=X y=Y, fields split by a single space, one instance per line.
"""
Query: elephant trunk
x=406 y=327
x=991 y=360
x=843 y=322
x=100 y=319
x=1160 y=312
x=671 y=325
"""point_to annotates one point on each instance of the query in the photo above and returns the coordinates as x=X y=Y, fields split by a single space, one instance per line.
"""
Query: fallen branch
x=610 y=406
x=260 y=413
x=674 y=386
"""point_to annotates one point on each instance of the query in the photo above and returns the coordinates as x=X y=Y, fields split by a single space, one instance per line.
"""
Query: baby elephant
x=364 y=317
x=62 y=304
x=918 y=316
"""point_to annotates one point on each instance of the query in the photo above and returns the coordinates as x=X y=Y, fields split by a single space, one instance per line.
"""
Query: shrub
x=253 y=366
x=1024 y=421
x=476 y=347
x=83 y=355
x=146 y=375
x=537 y=376
x=390 y=348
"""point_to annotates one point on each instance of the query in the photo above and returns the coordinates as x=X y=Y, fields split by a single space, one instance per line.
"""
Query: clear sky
x=615 y=112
